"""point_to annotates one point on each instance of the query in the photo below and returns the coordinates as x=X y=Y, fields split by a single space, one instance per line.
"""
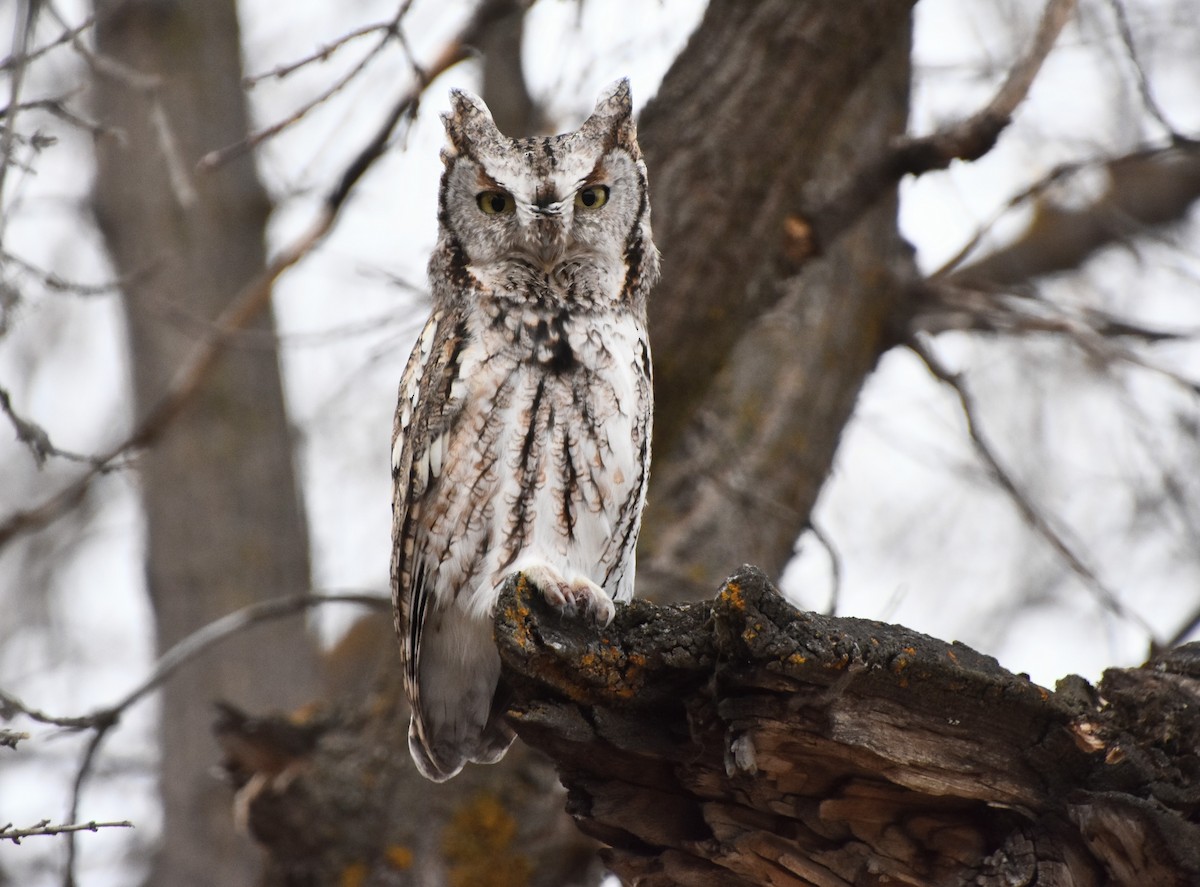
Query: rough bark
x=740 y=741
x=769 y=103
x=224 y=521
x=333 y=797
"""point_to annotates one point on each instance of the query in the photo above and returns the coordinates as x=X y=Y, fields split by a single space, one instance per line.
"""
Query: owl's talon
x=581 y=595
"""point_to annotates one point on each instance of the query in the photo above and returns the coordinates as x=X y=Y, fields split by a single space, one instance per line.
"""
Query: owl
x=522 y=433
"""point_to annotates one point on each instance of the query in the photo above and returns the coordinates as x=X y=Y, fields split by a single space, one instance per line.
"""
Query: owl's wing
x=428 y=402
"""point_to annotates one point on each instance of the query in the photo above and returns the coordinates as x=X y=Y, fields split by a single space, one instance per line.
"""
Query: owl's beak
x=549 y=234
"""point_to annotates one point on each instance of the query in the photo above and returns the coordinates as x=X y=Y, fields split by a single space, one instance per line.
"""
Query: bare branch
x=323 y=53
x=221 y=156
x=7 y=832
x=68 y=35
x=23 y=25
x=36 y=439
x=148 y=86
x=1148 y=188
x=1020 y=498
x=104 y=719
x=1143 y=82
x=189 y=648
x=943 y=305
x=58 y=107
x=240 y=311
x=52 y=281
x=969 y=139
x=1181 y=634
x=835 y=566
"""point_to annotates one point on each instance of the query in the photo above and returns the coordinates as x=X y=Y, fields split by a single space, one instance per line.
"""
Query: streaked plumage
x=522 y=433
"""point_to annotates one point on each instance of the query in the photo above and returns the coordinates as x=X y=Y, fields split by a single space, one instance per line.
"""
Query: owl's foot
x=580 y=595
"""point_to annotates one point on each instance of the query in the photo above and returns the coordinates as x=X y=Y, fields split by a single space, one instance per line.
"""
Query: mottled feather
x=523 y=423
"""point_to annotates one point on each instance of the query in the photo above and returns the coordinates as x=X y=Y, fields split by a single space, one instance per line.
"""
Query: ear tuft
x=469 y=121
x=613 y=118
x=615 y=101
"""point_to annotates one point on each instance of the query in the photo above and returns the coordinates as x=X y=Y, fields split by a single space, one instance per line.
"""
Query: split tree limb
x=740 y=741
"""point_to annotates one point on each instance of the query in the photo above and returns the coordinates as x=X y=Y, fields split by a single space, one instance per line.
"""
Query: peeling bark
x=740 y=741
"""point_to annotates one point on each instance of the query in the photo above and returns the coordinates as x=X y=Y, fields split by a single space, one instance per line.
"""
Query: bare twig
x=322 y=54
x=946 y=304
x=189 y=648
x=35 y=437
x=7 y=832
x=1149 y=187
x=215 y=159
x=58 y=107
x=969 y=139
x=1033 y=515
x=69 y=34
x=24 y=22
x=1143 y=82
x=244 y=307
x=835 y=566
x=102 y=720
x=1181 y=634
x=148 y=86
x=52 y=281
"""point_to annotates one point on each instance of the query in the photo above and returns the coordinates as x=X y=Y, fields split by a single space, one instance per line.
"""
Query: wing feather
x=425 y=413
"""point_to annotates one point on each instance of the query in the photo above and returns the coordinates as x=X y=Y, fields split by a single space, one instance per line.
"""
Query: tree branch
x=1149 y=188
x=1040 y=522
x=7 y=832
x=739 y=741
x=969 y=139
x=218 y=158
x=103 y=719
x=244 y=306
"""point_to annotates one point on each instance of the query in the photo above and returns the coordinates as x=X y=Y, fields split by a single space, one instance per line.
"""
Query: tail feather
x=459 y=715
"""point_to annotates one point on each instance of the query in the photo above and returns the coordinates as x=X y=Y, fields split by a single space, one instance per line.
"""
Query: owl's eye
x=593 y=197
x=496 y=203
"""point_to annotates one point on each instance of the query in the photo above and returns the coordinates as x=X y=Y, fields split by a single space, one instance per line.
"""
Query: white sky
x=924 y=538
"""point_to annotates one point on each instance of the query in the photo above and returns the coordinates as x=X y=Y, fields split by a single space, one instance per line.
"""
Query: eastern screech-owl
x=522 y=434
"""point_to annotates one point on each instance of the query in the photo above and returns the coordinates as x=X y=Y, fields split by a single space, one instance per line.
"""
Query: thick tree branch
x=740 y=741
x=969 y=139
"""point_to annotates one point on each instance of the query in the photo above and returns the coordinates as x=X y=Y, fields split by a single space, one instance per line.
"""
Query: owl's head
x=572 y=208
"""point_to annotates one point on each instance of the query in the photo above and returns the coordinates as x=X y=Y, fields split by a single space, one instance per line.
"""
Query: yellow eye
x=495 y=203
x=592 y=197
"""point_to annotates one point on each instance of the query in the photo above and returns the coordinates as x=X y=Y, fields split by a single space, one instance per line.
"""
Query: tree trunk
x=224 y=521
x=761 y=348
x=742 y=742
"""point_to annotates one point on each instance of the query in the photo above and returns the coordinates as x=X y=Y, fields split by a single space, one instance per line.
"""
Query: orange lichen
x=517 y=614
x=398 y=857
x=478 y=844
x=353 y=875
